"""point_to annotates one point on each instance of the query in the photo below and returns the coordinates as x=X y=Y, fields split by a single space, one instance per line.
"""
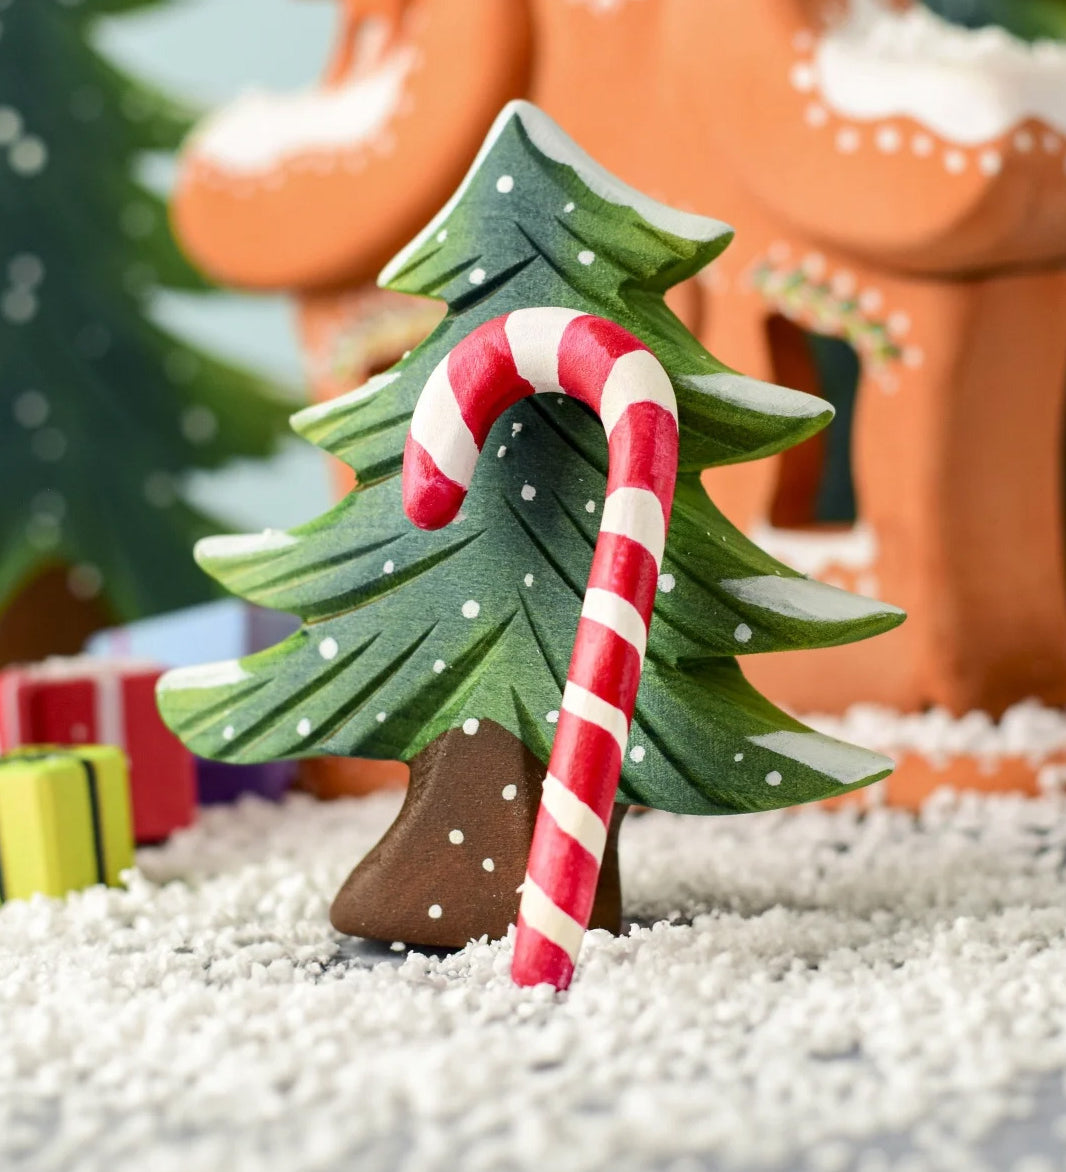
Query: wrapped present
x=111 y=702
x=218 y=782
x=65 y=819
x=226 y=629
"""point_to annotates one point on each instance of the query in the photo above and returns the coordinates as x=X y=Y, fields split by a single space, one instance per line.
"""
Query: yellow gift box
x=65 y=819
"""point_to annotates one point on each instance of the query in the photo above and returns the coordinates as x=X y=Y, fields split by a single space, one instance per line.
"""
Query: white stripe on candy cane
x=616 y=614
x=438 y=425
x=637 y=514
x=535 y=336
x=574 y=817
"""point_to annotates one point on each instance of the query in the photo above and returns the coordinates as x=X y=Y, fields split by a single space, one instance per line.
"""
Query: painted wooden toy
x=899 y=188
x=559 y=359
x=64 y=819
x=81 y=701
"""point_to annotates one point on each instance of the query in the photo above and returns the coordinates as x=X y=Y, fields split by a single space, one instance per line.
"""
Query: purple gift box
x=219 y=782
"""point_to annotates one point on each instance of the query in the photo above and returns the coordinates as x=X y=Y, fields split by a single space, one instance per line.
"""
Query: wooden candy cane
x=562 y=351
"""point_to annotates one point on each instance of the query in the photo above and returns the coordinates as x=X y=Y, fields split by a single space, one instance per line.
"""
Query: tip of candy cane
x=537 y=961
x=430 y=499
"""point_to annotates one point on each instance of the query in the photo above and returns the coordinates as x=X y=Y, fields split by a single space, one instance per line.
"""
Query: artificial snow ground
x=807 y=991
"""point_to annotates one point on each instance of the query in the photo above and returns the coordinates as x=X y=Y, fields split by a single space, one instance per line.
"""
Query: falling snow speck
x=28 y=156
x=31 y=409
x=328 y=648
x=471 y=725
x=471 y=609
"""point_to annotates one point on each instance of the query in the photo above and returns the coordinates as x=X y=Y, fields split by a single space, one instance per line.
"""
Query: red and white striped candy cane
x=562 y=351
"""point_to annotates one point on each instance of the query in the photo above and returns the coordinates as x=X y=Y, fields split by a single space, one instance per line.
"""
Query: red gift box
x=105 y=702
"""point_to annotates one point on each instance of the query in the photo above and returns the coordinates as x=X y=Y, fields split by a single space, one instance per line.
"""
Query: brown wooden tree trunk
x=449 y=868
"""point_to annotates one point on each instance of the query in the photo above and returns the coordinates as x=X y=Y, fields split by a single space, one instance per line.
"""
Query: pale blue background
x=207 y=51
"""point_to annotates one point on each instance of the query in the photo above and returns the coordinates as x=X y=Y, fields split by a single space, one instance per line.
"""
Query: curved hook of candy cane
x=562 y=351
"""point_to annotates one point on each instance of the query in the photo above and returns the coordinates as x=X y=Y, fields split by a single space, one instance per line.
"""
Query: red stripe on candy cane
x=561 y=351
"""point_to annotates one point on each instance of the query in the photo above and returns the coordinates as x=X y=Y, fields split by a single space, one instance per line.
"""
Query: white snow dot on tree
x=477 y=276
x=388 y=567
x=49 y=445
x=590 y=506
x=528 y=579
x=28 y=156
x=637 y=753
x=442 y=235
x=31 y=409
x=303 y=728
x=456 y=837
x=738 y=757
x=471 y=725
x=381 y=717
x=435 y=911
x=773 y=778
x=667 y=582
x=586 y=256
x=509 y=793
x=199 y=424
x=528 y=492
x=85 y=581
x=159 y=490
x=743 y=633
x=229 y=732
x=553 y=716
x=19 y=306
x=26 y=270
x=439 y=666
x=504 y=184
x=10 y=125
x=501 y=452
x=515 y=429
x=569 y=207
x=471 y=609
x=328 y=648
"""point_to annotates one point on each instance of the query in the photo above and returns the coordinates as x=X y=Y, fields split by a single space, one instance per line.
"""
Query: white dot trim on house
x=488 y=865
x=509 y=793
x=435 y=911
x=456 y=837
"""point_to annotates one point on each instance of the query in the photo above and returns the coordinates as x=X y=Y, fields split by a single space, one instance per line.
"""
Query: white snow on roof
x=261 y=131
x=967 y=85
x=1028 y=730
x=813 y=551
x=554 y=142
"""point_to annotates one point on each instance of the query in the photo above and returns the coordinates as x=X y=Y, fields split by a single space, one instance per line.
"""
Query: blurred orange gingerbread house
x=898 y=184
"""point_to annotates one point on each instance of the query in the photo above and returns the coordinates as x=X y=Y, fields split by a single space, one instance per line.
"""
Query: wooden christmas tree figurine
x=451 y=646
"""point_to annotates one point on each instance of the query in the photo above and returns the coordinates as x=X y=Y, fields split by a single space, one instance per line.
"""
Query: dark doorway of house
x=815 y=486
